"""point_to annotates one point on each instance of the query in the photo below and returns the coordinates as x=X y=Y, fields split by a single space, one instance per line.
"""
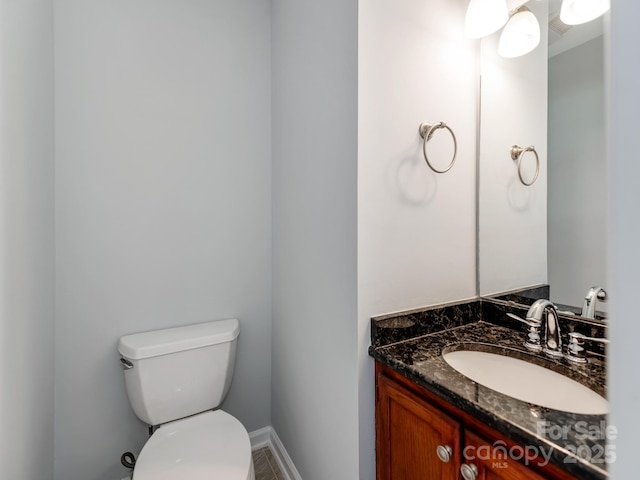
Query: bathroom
x=183 y=161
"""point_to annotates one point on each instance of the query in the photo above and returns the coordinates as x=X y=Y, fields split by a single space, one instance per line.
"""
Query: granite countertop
x=574 y=442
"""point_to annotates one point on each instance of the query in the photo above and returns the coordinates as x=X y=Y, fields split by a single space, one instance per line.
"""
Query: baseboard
x=267 y=437
x=260 y=438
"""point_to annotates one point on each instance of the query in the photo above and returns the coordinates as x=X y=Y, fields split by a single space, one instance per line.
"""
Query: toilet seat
x=207 y=446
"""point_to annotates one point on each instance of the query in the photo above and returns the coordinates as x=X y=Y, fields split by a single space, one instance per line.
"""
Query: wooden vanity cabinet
x=419 y=436
x=410 y=431
x=496 y=466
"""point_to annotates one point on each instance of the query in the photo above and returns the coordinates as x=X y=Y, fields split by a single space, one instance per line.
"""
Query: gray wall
x=314 y=121
x=577 y=191
x=162 y=203
x=26 y=239
x=624 y=237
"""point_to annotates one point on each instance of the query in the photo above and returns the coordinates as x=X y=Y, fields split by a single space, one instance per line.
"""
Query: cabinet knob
x=444 y=453
x=469 y=471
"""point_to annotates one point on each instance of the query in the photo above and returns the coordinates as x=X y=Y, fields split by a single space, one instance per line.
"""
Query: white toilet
x=174 y=378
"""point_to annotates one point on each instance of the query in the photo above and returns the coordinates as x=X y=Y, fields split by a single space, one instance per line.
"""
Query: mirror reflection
x=552 y=234
x=576 y=210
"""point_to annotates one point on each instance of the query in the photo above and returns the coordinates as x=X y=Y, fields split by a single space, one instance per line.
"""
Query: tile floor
x=265 y=465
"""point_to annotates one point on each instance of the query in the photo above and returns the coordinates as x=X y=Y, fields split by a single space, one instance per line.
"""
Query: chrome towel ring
x=426 y=132
x=517 y=153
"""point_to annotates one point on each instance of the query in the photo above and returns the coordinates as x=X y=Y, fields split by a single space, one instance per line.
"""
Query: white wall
x=162 y=203
x=26 y=239
x=624 y=237
x=416 y=228
x=513 y=217
x=314 y=121
x=577 y=195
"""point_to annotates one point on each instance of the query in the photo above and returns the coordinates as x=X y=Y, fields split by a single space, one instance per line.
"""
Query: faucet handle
x=531 y=322
x=533 y=337
x=579 y=337
x=575 y=349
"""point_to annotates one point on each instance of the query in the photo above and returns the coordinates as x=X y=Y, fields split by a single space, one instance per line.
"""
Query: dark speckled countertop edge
x=420 y=360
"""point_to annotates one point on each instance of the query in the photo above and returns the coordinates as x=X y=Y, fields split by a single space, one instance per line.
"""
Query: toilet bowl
x=208 y=446
x=176 y=379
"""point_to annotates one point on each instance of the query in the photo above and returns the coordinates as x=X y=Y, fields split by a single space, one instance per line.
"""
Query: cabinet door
x=408 y=434
x=493 y=462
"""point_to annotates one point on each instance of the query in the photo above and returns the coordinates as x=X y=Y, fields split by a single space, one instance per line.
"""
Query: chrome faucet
x=552 y=338
x=589 y=305
x=542 y=310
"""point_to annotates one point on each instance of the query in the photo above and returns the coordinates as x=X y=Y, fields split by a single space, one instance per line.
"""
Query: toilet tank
x=177 y=372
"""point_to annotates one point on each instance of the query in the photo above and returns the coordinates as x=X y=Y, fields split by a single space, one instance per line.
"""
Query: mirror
x=553 y=232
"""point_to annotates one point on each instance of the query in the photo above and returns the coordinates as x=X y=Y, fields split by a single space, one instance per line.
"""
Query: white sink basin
x=527 y=382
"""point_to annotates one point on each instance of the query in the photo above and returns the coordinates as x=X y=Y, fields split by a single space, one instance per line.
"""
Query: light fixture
x=520 y=35
x=575 y=12
x=485 y=17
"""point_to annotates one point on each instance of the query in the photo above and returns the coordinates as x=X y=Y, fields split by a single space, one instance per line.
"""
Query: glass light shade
x=485 y=17
x=575 y=12
x=521 y=34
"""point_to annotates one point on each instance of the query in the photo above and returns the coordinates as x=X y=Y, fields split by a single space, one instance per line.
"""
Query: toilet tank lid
x=171 y=340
